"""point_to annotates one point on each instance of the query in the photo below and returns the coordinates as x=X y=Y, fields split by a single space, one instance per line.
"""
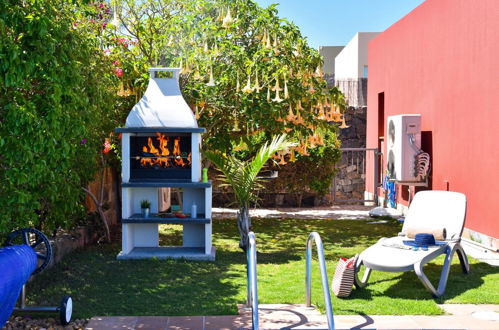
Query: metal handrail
x=314 y=236
x=252 y=284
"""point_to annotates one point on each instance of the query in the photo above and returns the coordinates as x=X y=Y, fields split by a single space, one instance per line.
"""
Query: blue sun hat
x=422 y=241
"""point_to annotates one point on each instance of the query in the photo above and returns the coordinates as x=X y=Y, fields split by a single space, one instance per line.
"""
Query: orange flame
x=162 y=156
x=176 y=152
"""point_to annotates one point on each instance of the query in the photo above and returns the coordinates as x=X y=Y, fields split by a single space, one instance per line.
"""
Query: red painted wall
x=442 y=61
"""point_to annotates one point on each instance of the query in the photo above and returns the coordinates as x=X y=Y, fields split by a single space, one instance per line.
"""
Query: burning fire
x=176 y=152
x=163 y=156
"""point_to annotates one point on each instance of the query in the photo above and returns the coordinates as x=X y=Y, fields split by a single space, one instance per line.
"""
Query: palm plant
x=242 y=177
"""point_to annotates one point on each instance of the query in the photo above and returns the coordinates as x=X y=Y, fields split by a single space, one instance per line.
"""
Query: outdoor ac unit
x=403 y=145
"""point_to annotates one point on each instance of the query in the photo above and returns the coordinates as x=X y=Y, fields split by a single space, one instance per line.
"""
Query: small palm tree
x=242 y=176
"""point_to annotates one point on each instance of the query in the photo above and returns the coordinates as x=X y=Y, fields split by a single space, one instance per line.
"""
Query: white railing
x=308 y=276
x=252 y=284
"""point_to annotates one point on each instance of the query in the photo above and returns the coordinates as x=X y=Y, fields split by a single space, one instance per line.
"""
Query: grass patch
x=102 y=285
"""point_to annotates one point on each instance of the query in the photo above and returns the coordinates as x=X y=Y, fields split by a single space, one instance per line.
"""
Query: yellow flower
x=257 y=87
x=277 y=98
x=247 y=89
x=212 y=80
x=343 y=124
x=268 y=44
x=299 y=107
x=277 y=87
x=228 y=20
x=291 y=116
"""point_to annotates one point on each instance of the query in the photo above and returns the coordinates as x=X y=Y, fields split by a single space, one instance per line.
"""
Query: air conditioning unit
x=403 y=145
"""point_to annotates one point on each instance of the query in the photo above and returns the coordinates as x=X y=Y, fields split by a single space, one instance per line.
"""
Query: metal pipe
x=24 y=308
x=252 y=288
x=376 y=176
x=314 y=236
x=23 y=296
x=248 y=290
x=36 y=309
x=358 y=149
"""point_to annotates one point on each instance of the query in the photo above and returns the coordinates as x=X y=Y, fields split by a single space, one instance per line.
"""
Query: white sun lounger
x=429 y=209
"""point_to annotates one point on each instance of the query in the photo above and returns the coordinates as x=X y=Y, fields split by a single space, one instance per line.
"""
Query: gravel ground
x=20 y=322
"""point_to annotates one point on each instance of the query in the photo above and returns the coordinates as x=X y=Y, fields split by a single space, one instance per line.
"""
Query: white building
x=350 y=67
x=351 y=62
x=329 y=54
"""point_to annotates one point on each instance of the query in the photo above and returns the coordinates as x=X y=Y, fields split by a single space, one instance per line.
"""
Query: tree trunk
x=101 y=213
x=244 y=225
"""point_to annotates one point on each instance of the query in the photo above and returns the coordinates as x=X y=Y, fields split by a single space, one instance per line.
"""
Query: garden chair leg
x=463 y=259
x=418 y=268
x=359 y=284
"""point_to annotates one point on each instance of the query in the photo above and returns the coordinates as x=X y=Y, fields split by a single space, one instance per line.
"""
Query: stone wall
x=355 y=135
x=349 y=183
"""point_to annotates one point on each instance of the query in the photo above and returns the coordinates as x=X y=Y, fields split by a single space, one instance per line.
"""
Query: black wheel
x=66 y=310
x=37 y=241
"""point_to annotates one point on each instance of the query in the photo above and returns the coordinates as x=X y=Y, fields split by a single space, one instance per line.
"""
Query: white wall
x=346 y=62
x=349 y=63
x=363 y=39
x=329 y=53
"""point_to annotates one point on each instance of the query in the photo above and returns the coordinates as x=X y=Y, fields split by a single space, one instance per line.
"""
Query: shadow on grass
x=457 y=282
x=102 y=285
x=408 y=286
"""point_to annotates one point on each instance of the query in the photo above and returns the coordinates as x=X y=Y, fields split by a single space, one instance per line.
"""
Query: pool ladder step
x=252 y=280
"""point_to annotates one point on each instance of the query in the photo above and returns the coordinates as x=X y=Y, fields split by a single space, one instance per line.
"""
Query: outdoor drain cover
x=486 y=315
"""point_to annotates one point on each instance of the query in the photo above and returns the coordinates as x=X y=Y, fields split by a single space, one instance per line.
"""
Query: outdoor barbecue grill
x=161 y=150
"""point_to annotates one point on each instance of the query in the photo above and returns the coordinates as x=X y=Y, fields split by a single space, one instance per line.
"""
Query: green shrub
x=55 y=98
x=313 y=173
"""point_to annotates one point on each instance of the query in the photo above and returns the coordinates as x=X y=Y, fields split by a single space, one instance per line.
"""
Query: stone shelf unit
x=140 y=236
x=138 y=218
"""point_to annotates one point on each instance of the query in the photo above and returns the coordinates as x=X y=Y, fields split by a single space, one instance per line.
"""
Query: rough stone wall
x=349 y=183
x=355 y=135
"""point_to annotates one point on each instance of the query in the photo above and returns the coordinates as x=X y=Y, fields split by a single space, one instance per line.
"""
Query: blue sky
x=334 y=22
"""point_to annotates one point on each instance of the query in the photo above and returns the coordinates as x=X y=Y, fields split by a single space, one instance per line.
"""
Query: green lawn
x=101 y=285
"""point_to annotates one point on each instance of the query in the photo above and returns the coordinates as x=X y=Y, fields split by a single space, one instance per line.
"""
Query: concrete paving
x=480 y=253
x=338 y=212
x=300 y=317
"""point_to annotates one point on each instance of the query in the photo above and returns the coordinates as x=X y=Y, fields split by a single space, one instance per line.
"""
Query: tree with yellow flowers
x=249 y=77
x=247 y=73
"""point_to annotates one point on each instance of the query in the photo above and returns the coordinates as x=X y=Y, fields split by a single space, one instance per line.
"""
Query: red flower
x=116 y=63
x=118 y=72
x=107 y=146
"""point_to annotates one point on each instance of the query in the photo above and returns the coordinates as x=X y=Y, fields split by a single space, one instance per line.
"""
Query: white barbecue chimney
x=162 y=104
